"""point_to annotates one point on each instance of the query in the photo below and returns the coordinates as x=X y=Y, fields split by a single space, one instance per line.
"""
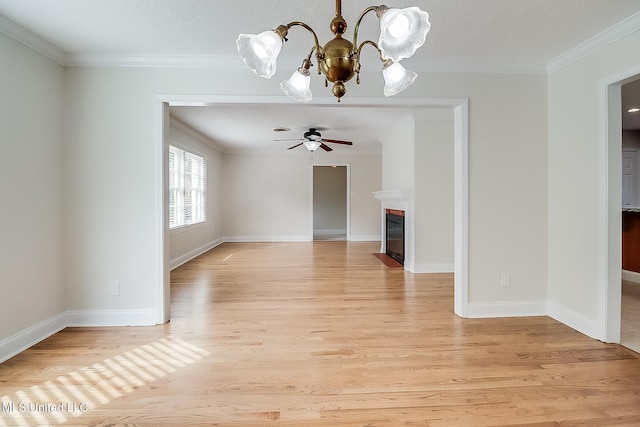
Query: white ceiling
x=515 y=34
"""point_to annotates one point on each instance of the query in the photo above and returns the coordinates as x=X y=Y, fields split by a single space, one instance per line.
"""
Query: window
x=187 y=188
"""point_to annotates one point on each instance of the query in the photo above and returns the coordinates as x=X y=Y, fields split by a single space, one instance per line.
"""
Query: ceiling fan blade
x=336 y=141
x=291 y=139
x=294 y=146
x=325 y=147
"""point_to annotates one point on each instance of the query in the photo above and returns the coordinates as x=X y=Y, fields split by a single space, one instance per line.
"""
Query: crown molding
x=478 y=67
x=611 y=35
x=234 y=62
x=31 y=40
x=159 y=61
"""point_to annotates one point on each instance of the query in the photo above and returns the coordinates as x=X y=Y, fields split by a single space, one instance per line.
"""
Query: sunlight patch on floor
x=80 y=391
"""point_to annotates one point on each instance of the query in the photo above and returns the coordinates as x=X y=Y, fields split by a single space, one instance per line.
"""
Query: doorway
x=611 y=184
x=330 y=202
x=630 y=301
x=460 y=107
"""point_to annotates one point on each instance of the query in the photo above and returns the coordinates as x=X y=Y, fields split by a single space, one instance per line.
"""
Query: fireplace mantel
x=401 y=199
x=400 y=195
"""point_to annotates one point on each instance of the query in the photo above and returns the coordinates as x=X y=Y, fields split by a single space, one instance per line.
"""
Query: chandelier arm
x=310 y=53
x=357 y=27
x=308 y=28
x=306 y=63
x=357 y=57
x=372 y=43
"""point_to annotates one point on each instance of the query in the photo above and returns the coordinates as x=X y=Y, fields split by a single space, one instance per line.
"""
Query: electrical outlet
x=114 y=288
x=505 y=281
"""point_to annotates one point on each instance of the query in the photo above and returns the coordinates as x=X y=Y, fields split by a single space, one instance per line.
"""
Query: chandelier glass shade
x=298 y=86
x=396 y=78
x=260 y=52
x=402 y=32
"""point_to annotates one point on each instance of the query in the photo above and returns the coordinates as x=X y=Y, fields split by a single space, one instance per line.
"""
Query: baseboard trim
x=434 y=268
x=266 y=239
x=506 y=309
x=575 y=321
x=178 y=261
x=80 y=318
x=631 y=276
x=353 y=238
x=330 y=231
x=31 y=336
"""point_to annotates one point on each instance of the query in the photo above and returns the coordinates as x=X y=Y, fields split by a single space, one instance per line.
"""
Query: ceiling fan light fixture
x=298 y=86
x=260 y=52
x=313 y=135
x=396 y=78
x=633 y=110
x=402 y=31
x=312 y=145
x=312 y=140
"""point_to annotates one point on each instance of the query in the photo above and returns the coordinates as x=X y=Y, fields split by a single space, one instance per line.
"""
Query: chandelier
x=402 y=32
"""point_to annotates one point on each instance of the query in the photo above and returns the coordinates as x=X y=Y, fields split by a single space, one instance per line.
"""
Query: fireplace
x=394 y=226
x=399 y=203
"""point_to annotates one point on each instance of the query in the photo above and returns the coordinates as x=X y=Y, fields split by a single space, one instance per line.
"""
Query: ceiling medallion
x=402 y=32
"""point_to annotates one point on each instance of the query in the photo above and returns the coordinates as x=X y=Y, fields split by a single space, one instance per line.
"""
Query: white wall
x=31 y=256
x=186 y=243
x=576 y=122
x=433 y=196
x=507 y=186
x=267 y=196
x=507 y=189
x=398 y=154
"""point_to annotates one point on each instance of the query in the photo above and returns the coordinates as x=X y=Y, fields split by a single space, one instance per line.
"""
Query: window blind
x=187 y=188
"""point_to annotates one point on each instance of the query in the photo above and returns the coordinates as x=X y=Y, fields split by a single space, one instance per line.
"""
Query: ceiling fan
x=313 y=139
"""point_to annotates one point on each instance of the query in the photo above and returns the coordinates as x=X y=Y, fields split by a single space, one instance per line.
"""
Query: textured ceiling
x=496 y=33
x=480 y=31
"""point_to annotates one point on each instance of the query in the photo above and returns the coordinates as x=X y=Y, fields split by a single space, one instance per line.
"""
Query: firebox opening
x=395 y=234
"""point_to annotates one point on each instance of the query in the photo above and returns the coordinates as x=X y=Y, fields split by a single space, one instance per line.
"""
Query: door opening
x=330 y=203
x=630 y=287
x=460 y=108
x=611 y=201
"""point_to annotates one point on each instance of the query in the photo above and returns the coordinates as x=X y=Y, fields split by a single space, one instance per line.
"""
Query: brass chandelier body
x=402 y=31
x=338 y=60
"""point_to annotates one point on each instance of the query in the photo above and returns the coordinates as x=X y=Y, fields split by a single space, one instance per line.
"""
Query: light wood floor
x=630 y=325
x=320 y=334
